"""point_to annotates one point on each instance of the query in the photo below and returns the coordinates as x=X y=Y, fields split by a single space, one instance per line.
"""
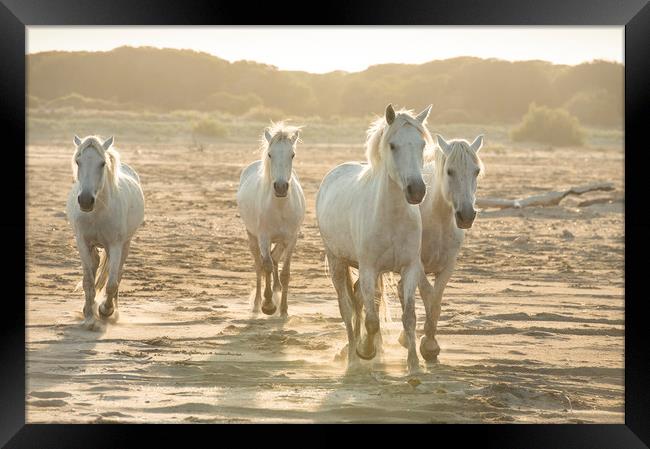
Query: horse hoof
x=354 y=367
x=402 y=339
x=414 y=369
x=364 y=356
x=429 y=349
x=92 y=324
x=269 y=309
x=105 y=312
x=284 y=315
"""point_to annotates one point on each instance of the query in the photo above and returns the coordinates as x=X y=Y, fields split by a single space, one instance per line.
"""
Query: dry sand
x=532 y=325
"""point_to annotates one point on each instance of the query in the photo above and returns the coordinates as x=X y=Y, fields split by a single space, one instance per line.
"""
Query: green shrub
x=77 y=101
x=210 y=128
x=549 y=126
x=597 y=107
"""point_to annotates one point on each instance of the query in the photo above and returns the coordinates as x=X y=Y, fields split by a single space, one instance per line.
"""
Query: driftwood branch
x=546 y=199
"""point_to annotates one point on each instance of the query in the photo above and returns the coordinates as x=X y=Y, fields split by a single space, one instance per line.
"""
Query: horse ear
x=295 y=137
x=390 y=114
x=422 y=116
x=267 y=135
x=107 y=143
x=444 y=146
x=76 y=140
x=477 y=144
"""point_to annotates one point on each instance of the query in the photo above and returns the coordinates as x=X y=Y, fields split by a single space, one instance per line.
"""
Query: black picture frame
x=15 y=15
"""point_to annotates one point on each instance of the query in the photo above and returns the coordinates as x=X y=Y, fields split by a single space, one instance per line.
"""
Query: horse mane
x=460 y=151
x=111 y=156
x=279 y=131
x=380 y=132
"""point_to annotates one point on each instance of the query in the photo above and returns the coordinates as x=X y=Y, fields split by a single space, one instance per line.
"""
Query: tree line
x=462 y=90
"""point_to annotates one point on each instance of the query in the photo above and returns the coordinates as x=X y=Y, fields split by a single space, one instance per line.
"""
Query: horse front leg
x=340 y=274
x=286 y=275
x=368 y=285
x=255 y=251
x=268 y=307
x=115 y=260
x=410 y=276
x=89 y=263
x=432 y=298
x=277 y=254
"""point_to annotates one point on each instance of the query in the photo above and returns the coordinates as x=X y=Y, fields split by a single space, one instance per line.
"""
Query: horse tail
x=101 y=276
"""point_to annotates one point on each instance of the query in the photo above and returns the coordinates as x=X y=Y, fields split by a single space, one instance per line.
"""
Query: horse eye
x=103 y=164
x=392 y=146
x=269 y=155
x=450 y=172
x=293 y=155
x=477 y=172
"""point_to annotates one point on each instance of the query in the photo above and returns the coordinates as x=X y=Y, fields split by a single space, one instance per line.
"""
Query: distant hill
x=464 y=89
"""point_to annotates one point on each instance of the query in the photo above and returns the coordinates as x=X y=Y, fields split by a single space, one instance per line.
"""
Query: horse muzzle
x=415 y=191
x=86 y=201
x=281 y=188
x=465 y=220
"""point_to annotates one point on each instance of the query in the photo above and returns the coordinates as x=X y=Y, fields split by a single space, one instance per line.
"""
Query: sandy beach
x=531 y=331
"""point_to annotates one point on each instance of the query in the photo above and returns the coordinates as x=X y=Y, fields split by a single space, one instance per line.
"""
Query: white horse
x=272 y=206
x=369 y=219
x=447 y=211
x=105 y=207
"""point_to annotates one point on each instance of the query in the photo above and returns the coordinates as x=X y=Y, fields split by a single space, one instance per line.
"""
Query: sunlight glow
x=321 y=49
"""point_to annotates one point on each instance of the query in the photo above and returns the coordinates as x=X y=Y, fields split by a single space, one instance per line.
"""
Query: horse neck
x=105 y=194
x=440 y=211
x=389 y=195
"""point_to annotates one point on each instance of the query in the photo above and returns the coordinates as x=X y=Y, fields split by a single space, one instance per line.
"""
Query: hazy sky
x=324 y=49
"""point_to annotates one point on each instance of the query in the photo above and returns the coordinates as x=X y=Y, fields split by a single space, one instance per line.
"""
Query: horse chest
x=440 y=248
x=280 y=221
x=390 y=250
x=98 y=229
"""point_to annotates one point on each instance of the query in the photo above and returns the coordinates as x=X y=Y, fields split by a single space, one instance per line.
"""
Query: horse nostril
x=281 y=187
x=86 y=201
x=409 y=189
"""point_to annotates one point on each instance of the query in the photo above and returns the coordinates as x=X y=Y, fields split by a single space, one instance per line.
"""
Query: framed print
x=382 y=214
